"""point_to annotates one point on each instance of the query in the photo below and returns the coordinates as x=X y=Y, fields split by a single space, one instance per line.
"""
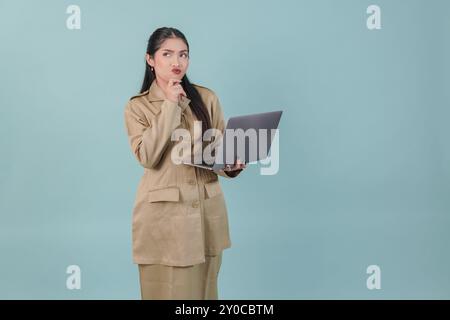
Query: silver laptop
x=245 y=149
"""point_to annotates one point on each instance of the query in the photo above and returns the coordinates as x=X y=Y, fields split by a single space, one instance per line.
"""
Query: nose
x=176 y=63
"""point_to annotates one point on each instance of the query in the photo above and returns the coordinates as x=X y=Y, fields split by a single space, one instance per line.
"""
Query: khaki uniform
x=179 y=214
x=198 y=281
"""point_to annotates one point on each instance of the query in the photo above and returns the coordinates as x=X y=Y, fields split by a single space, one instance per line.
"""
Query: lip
x=176 y=71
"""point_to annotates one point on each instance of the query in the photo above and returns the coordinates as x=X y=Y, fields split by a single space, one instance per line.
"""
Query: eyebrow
x=173 y=51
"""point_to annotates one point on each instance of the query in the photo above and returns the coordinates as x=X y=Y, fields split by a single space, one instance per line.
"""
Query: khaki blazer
x=179 y=213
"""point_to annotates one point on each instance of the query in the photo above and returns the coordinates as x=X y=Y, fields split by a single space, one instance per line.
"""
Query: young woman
x=180 y=220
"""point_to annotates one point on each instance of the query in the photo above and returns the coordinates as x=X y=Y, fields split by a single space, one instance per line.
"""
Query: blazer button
x=191 y=182
x=195 y=204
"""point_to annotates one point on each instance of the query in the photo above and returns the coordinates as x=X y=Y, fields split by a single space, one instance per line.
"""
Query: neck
x=161 y=83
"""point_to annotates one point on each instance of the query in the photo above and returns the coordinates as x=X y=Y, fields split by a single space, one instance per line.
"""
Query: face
x=173 y=54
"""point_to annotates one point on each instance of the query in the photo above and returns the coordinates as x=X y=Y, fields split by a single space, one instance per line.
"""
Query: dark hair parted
x=154 y=43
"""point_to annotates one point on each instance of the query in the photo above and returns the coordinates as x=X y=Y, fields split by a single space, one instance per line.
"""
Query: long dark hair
x=154 y=43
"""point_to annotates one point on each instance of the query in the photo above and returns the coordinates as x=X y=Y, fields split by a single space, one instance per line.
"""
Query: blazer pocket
x=213 y=189
x=165 y=194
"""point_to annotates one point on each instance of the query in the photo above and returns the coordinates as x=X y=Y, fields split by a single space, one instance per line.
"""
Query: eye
x=185 y=55
x=166 y=54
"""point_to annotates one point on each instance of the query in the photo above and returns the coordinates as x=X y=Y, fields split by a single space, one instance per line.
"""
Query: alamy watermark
x=250 y=144
x=73 y=281
x=373 y=282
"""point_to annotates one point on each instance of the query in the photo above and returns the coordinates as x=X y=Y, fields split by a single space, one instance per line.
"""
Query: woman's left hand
x=239 y=165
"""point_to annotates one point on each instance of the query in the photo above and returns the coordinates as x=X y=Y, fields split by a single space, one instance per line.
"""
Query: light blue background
x=364 y=142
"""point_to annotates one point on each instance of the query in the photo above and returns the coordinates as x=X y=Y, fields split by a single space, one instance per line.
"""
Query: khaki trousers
x=197 y=281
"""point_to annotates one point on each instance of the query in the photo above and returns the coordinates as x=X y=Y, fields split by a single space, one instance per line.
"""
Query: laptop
x=247 y=137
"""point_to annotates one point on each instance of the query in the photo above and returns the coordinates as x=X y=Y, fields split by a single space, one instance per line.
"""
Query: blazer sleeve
x=149 y=138
x=218 y=122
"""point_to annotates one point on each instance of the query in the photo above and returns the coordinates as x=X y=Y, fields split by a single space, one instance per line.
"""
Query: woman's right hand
x=174 y=90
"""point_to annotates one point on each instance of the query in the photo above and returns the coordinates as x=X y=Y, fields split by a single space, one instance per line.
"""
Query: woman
x=180 y=221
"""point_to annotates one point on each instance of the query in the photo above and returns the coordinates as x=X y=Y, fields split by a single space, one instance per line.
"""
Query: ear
x=150 y=60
